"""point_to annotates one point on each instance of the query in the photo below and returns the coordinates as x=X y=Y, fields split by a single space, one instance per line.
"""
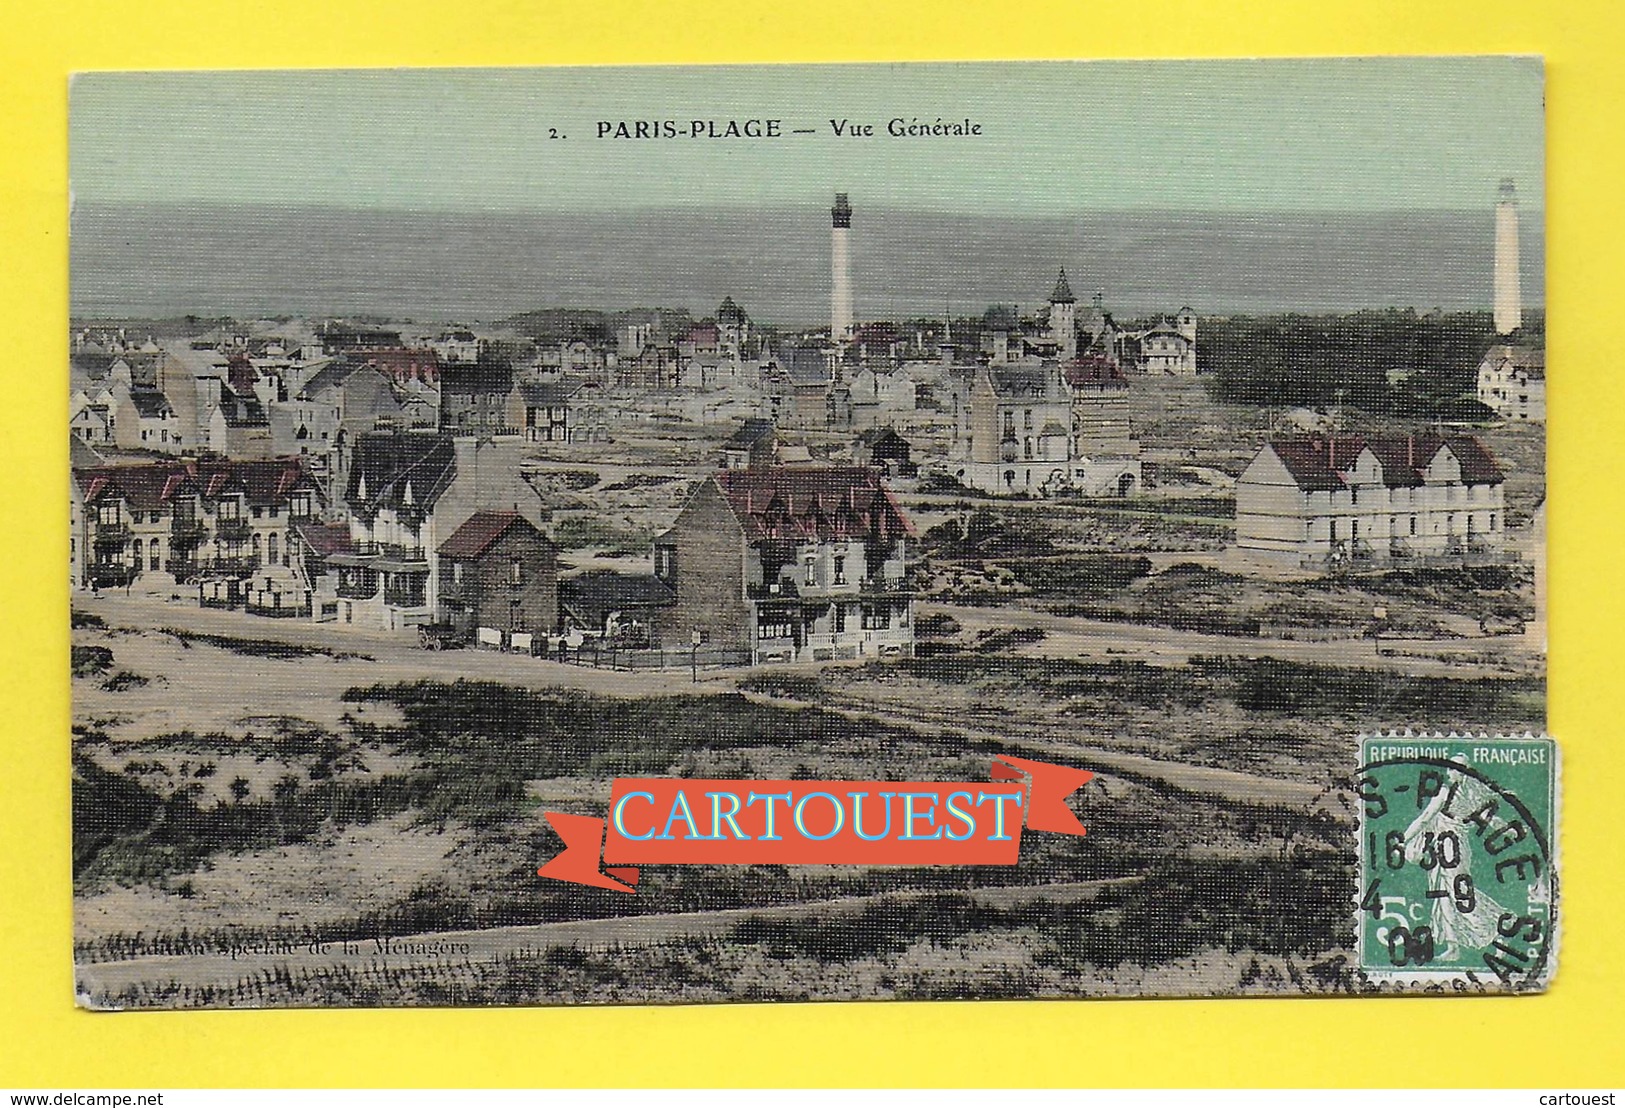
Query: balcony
x=186 y=531
x=886 y=586
x=383 y=555
x=234 y=527
x=231 y=566
x=112 y=534
x=782 y=589
x=405 y=595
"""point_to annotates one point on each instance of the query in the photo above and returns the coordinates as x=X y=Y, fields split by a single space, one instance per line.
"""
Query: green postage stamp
x=1458 y=861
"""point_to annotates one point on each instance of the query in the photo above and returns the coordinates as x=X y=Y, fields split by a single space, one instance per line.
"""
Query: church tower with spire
x=1063 y=318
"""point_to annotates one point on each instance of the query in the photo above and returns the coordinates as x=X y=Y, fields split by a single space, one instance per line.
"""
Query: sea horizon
x=473 y=265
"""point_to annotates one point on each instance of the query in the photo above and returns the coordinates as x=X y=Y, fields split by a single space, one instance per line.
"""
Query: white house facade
x=1315 y=498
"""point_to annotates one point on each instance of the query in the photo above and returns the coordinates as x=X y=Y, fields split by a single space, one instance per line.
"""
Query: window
x=152 y=554
x=107 y=514
x=229 y=508
x=516 y=572
x=876 y=618
x=840 y=569
x=1413 y=525
x=773 y=625
x=457 y=573
x=839 y=618
x=810 y=570
x=1027 y=420
x=270 y=548
x=1492 y=521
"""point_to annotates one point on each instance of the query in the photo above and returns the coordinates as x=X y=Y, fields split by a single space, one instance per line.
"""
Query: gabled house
x=219 y=520
x=1315 y=498
x=543 y=411
x=752 y=444
x=385 y=578
x=474 y=399
x=499 y=572
x=884 y=449
x=1512 y=380
x=789 y=564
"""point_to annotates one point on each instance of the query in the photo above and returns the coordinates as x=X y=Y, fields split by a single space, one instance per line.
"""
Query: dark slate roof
x=820 y=503
x=729 y=312
x=481 y=377
x=546 y=394
x=152 y=485
x=1036 y=381
x=805 y=365
x=481 y=529
x=151 y=403
x=1063 y=291
x=876 y=435
x=383 y=465
x=81 y=455
x=1527 y=358
x=330 y=376
x=593 y=595
x=242 y=410
x=750 y=432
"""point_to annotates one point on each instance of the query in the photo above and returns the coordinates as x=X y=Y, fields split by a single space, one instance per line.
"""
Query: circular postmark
x=1456 y=875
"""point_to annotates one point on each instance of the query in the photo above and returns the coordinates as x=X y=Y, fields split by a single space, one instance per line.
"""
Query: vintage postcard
x=673 y=535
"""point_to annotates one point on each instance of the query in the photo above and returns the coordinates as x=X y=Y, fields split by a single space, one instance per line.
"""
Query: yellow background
x=1569 y=1037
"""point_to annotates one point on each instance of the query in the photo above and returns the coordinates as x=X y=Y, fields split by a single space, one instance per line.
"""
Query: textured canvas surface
x=485 y=473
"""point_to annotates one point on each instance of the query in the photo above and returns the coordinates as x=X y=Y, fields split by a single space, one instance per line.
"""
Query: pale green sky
x=1358 y=134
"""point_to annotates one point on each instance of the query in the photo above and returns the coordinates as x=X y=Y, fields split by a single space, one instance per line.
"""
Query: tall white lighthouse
x=1508 y=291
x=840 y=271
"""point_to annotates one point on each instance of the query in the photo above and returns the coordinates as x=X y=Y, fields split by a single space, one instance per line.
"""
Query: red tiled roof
x=809 y=502
x=479 y=531
x=1094 y=369
x=1320 y=461
x=402 y=362
x=326 y=538
x=151 y=485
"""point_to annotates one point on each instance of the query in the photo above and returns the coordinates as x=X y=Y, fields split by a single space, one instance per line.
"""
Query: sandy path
x=99 y=979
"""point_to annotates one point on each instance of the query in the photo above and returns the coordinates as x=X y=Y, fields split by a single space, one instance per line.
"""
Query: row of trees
x=1395 y=361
